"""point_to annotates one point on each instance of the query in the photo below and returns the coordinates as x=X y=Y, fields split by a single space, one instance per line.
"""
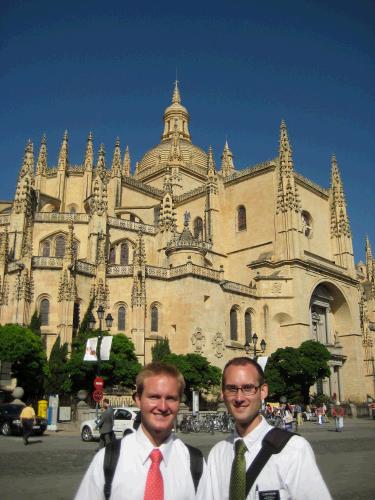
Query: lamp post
x=254 y=340
x=91 y=322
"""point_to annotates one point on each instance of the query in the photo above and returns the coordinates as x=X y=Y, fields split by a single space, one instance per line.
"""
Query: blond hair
x=157 y=368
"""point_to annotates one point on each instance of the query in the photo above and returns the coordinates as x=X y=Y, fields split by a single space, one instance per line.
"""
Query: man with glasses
x=291 y=473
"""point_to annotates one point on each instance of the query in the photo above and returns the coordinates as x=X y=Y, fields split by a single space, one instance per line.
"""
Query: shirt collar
x=145 y=446
x=253 y=436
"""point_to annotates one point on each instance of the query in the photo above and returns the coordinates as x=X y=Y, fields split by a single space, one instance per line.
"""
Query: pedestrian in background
x=338 y=413
x=298 y=414
x=27 y=417
x=105 y=425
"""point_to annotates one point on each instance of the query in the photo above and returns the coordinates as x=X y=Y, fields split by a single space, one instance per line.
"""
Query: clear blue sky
x=109 y=67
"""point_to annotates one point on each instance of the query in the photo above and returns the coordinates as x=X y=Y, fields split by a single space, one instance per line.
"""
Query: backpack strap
x=111 y=456
x=273 y=442
x=196 y=464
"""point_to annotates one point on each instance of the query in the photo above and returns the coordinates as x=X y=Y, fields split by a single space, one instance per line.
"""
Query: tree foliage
x=84 y=326
x=160 y=349
x=24 y=349
x=121 y=369
x=35 y=323
x=57 y=379
x=290 y=372
x=198 y=373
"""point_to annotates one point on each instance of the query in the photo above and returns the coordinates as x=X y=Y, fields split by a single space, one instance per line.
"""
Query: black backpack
x=273 y=442
x=112 y=453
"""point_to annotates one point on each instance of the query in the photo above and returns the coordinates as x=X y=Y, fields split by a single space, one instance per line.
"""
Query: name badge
x=269 y=495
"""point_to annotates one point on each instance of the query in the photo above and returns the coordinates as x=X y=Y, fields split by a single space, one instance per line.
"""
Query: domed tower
x=176 y=114
x=175 y=152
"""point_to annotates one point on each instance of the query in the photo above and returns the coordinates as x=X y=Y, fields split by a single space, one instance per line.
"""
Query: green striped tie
x=237 y=487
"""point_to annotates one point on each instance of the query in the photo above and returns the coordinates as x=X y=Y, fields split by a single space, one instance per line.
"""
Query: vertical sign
x=195 y=402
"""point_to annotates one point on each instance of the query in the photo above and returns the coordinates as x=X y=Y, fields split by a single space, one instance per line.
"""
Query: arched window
x=112 y=255
x=306 y=224
x=44 y=312
x=124 y=254
x=121 y=318
x=46 y=248
x=73 y=210
x=60 y=246
x=154 y=319
x=132 y=218
x=233 y=324
x=241 y=218
x=198 y=228
x=248 y=326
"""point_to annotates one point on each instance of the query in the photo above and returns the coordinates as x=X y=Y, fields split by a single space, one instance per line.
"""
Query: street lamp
x=254 y=340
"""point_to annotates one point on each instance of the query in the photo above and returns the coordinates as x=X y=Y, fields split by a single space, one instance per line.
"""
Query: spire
x=100 y=166
x=116 y=162
x=63 y=156
x=126 y=164
x=211 y=167
x=89 y=155
x=227 y=165
x=369 y=260
x=69 y=245
x=285 y=150
x=287 y=194
x=28 y=160
x=41 y=166
x=176 y=98
x=339 y=218
x=140 y=251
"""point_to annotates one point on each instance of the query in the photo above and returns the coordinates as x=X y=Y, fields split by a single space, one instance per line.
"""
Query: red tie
x=154 y=485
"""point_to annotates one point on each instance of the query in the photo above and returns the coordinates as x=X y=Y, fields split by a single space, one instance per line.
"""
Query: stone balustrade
x=47 y=262
x=4 y=220
x=117 y=270
x=132 y=226
x=60 y=217
x=83 y=267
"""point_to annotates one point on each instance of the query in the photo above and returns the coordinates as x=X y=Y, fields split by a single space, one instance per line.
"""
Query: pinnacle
x=176 y=98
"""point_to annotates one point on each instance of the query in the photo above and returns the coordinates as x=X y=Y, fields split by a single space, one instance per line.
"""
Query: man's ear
x=137 y=400
x=264 y=391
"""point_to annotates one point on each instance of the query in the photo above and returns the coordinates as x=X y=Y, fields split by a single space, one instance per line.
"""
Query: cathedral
x=222 y=261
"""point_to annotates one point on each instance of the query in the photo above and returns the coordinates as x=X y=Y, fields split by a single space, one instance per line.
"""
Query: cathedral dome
x=176 y=130
x=159 y=155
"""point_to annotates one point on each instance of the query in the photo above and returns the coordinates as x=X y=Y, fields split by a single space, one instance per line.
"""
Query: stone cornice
x=311 y=186
x=143 y=188
x=259 y=168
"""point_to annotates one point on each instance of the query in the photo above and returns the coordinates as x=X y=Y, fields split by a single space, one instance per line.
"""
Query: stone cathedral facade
x=203 y=254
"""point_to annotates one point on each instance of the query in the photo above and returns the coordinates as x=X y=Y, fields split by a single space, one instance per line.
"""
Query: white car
x=123 y=419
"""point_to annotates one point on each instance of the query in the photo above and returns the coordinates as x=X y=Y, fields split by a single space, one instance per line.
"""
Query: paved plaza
x=52 y=467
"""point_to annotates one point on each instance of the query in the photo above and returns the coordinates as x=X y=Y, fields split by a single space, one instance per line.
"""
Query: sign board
x=98 y=383
x=97 y=395
x=195 y=402
x=65 y=414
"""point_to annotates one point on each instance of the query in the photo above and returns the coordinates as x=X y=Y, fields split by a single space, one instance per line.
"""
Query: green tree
x=160 y=349
x=290 y=371
x=24 y=349
x=35 y=323
x=84 y=326
x=57 y=379
x=122 y=367
x=198 y=373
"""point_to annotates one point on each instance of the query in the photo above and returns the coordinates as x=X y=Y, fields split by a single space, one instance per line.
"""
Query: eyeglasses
x=247 y=389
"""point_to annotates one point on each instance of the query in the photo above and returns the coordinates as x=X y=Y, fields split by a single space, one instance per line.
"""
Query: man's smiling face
x=159 y=404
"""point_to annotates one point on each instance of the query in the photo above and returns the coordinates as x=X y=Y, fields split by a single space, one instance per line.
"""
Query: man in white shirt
x=290 y=474
x=153 y=464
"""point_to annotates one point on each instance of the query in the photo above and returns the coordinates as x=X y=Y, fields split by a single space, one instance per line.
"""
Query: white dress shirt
x=132 y=468
x=292 y=472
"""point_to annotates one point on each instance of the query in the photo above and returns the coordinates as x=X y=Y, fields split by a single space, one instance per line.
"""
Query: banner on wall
x=105 y=348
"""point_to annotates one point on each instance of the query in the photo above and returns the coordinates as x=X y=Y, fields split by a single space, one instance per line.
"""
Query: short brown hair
x=243 y=361
x=158 y=368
